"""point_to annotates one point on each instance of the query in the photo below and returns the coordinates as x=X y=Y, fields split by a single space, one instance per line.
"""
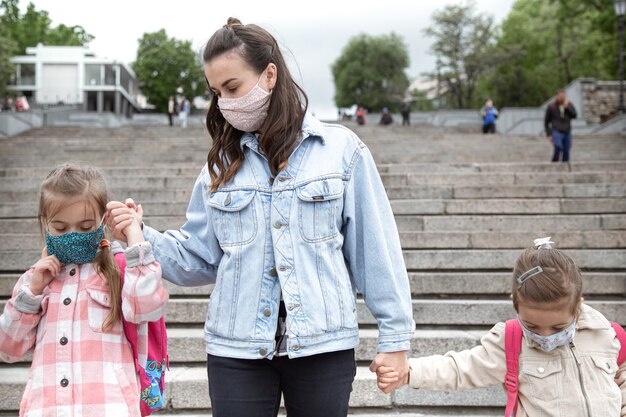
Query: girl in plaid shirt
x=68 y=307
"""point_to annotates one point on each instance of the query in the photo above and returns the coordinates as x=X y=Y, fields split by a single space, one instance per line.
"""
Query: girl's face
x=231 y=77
x=546 y=319
x=78 y=217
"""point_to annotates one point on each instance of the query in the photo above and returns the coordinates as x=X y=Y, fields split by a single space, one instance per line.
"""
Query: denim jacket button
x=267 y=312
x=278 y=225
x=271 y=181
x=273 y=272
x=262 y=352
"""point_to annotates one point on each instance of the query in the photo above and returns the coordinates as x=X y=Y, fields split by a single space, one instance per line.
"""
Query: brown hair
x=560 y=279
x=65 y=185
x=288 y=103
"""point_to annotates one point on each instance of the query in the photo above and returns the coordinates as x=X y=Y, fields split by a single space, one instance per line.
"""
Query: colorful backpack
x=151 y=374
x=513 y=345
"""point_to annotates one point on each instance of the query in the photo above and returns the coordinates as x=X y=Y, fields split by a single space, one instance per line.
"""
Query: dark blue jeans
x=313 y=386
x=562 y=142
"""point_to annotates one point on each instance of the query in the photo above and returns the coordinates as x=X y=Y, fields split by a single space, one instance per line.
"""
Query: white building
x=74 y=75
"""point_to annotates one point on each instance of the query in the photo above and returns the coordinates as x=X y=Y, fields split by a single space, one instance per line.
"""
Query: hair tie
x=543 y=243
x=104 y=243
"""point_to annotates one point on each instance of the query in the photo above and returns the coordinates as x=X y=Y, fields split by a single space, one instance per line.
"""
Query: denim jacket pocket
x=319 y=204
x=234 y=216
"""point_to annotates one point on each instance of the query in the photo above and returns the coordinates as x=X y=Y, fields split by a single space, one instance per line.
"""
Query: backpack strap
x=512 y=348
x=620 y=333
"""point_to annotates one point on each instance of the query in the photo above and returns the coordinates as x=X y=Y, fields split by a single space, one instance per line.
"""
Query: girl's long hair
x=288 y=103
x=68 y=184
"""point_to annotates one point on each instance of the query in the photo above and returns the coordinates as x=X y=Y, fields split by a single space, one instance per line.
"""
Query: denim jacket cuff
x=26 y=302
x=139 y=254
x=396 y=342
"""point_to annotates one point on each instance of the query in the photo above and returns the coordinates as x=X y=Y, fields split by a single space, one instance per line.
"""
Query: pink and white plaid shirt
x=77 y=369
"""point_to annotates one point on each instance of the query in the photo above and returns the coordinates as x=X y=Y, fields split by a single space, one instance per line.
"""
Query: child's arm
x=143 y=294
x=20 y=319
x=479 y=367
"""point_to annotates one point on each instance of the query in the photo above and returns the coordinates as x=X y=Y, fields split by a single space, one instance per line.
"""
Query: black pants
x=314 y=386
x=169 y=117
x=490 y=128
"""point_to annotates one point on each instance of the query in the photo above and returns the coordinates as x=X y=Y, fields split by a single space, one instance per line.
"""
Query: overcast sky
x=314 y=31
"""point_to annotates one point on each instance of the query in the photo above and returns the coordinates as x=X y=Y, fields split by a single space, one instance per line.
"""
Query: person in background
x=406 y=113
x=489 y=114
x=386 y=118
x=171 y=109
x=558 y=124
x=183 y=113
x=360 y=116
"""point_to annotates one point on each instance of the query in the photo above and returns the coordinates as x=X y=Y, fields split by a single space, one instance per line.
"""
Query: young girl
x=69 y=305
x=568 y=359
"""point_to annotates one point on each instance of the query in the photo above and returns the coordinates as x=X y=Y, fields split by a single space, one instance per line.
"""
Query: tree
x=163 y=64
x=462 y=40
x=6 y=67
x=555 y=42
x=33 y=27
x=370 y=72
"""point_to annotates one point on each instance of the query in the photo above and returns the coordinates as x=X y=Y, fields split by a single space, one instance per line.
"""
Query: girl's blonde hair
x=68 y=184
x=560 y=278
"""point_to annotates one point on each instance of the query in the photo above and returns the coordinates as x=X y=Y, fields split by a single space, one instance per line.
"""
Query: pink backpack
x=151 y=374
x=513 y=345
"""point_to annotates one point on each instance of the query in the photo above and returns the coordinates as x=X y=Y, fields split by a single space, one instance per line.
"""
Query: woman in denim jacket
x=288 y=218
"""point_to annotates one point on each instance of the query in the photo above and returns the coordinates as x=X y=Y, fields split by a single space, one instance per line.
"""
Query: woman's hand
x=125 y=221
x=44 y=271
x=392 y=370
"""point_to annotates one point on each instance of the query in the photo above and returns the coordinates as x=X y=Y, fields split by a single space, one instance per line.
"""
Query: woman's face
x=229 y=76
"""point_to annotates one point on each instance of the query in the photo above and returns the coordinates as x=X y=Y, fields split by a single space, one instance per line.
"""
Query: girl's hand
x=124 y=220
x=385 y=376
x=44 y=271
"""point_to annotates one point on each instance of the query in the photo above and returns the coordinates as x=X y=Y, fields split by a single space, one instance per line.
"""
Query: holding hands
x=392 y=370
x=125 y=221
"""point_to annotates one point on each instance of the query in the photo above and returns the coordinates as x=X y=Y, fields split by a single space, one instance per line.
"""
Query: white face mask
x=553 y=341
x=246 y=113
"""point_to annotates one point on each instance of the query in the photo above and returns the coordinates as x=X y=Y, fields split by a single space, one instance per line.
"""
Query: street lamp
x=620 y=10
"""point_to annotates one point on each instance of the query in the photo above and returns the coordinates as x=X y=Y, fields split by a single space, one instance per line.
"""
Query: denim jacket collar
x=311 y=128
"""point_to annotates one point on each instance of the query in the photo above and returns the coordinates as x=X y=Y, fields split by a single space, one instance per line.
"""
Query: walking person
x=406 y=113
x=560 y=357
x=289 y=218
x=489 y=114
x=558 y=125
x=183 y=112
x=171 y=109
x=68 y=308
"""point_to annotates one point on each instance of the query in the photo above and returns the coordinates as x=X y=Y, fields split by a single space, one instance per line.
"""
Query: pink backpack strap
x=620 y=333
x=512 y=348
x=130 y=329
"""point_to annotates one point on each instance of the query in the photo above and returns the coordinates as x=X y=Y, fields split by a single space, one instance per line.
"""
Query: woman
x=289 y=218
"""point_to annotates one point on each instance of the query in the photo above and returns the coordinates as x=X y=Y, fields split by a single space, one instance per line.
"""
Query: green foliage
x=544 y=45
x=33 y=27
x=7 y=69
x=370 y=72
x=462 y=41
x=163 y=64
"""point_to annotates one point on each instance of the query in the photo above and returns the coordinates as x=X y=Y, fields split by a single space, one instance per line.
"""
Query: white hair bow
x=543 y=243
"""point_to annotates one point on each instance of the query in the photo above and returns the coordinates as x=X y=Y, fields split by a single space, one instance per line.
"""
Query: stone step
x=426 y=312
x=445 y=259
x=586 y=239
x=416 y=223
x=503 y=223
x=534 y=167
x=412 y=192
x=191 y=169
x=423 y=284
x=390 y=180
x=407 y=207
x=187 y=389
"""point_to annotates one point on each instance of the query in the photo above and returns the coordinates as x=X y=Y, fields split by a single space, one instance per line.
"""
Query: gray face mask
x=553 y=341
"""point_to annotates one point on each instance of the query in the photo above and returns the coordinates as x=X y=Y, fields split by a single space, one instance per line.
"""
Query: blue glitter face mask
x=75 y=247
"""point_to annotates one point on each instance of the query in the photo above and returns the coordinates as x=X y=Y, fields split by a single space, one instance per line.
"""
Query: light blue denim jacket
x=319 y=231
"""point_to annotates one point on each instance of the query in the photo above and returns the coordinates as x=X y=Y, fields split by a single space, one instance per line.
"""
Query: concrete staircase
x=465 y=205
